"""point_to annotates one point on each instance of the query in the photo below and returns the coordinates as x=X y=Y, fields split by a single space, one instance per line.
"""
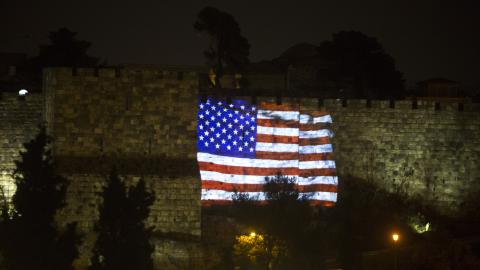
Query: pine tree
x=30 y=237
x=123 y=239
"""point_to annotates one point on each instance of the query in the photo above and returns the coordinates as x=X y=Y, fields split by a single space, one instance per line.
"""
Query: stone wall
x=19 y=121
x=143 y=121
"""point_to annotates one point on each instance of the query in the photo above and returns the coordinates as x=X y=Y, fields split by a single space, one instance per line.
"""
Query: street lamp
x=395 y=238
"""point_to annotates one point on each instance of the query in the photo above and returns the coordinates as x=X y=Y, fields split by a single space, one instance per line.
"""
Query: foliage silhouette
x=283 y=223
x=227 y=48
x=28 y=230
x=363 y=61
x=123 y=239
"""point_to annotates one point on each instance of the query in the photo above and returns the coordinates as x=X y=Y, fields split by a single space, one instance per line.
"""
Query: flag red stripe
x=275 y=107
x=276 y=156
x=309 y=127
x=209 y=184
x=314 y=141
x=208 y=203
x=319 y=156
x=276 y=139
x=293 y=156
x=226 y=169
x=277 y=123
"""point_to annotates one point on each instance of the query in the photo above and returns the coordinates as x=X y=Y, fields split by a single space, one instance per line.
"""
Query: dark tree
x=29 y=230
x=228 y=48
x=123 y=240
x=362 y=62
x=284 y=221
x=65 y=50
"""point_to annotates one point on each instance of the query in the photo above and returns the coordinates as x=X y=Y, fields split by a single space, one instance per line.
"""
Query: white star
x=200 y=127
x=207 y=112
x=245 y=143
x=234 y=143
x=212 y=139
x=223 y=141
x=219 y=113
x=252 y=139
x=236 y=112
x=242 y=107
x=248 y=122
x=213 y=108
x=201 y=137
x=201 y=106
x=235 y=132
x=230 y=115
x=247 y=132
x=212 y=129
x=251 y=149
x=206 y=143
x=207 y=122
x=252 y=128
x=241 y=116
x=224 y=131
x=217 y=146
x=201 y=116
x=235 y=120
x=229 y=147
x=248 y=114
x=229 y=136
x=217 y=135
x=253 y=118
x=241 y=126
x=231 y=105
x=219 y=103
x=206 y=133
x=212 y=118
x=218 y=124
x=225 y=109
x=240 y=149
x=224 y=119
x=253 y=108
x=230 y=125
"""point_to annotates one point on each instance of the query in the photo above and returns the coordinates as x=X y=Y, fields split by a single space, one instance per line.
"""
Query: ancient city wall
x=19 y=121
x=143 y=121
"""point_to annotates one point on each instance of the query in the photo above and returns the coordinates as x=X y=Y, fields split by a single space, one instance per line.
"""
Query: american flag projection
x=239 y=144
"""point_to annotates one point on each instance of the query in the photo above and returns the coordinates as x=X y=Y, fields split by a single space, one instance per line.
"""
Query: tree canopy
x=363 y=62
x=123 y=240
x=65 y=50
x=28 y=230
x=227 y=48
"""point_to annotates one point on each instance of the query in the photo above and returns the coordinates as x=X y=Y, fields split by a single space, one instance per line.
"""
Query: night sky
x=427 y=39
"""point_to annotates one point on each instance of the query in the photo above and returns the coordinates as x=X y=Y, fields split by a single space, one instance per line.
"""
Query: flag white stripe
x=316 y=164
x=308 y=119
x=283 y=115
x=212 y=194
x=260 y=179
x=292 y=132
x=308 y=134
x=315 y=149
x=276 y=147
x=264 y=163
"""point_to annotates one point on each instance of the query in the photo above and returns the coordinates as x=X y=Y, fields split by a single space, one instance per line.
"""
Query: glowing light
x=395 y=237
x=22 y=92
x=253 y=234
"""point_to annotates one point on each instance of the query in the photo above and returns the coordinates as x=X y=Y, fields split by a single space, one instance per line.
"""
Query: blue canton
x=227 y=129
